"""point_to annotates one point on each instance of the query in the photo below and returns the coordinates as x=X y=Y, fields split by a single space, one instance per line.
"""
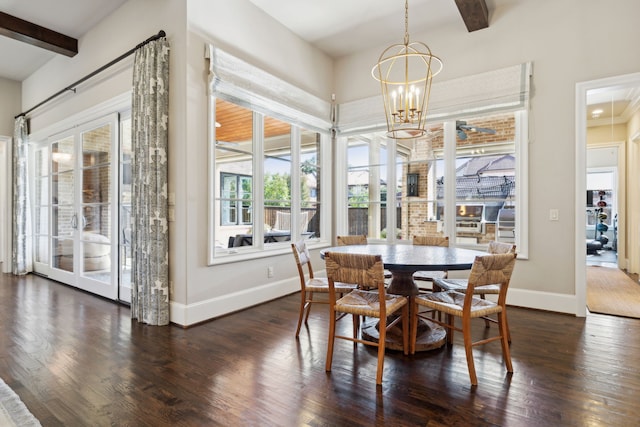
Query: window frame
x=237 y=200
x=235 y=80
x=449 y=150
x=259 y=248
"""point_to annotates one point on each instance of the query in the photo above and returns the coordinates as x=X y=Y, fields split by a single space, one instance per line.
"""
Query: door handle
x=74 y=222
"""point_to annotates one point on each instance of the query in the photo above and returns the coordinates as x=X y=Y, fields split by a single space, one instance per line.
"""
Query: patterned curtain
x=149 y=234
x=22 y=258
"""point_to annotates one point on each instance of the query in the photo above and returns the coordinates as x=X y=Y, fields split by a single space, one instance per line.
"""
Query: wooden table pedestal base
x=430 y=336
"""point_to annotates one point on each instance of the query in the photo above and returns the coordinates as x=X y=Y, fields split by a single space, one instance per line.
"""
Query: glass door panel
x=95 y=204
x=63 y=217
x=124 y=237
x=41 y=206
x=73 y=205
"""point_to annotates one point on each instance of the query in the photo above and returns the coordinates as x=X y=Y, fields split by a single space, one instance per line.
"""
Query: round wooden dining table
x=402 y=260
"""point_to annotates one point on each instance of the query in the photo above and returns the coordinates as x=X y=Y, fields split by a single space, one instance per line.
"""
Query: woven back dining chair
x=460 y=285
x=310 y=285
x=486 y=270
x=429 y=276
x=500 y=247
x=357 y=239
x=366 y=271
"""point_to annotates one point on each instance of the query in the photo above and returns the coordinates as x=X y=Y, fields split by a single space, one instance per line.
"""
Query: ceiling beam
x=474 y=14
x=33 y=34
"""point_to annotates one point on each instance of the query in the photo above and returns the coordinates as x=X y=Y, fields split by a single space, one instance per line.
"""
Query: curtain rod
x=72 y=87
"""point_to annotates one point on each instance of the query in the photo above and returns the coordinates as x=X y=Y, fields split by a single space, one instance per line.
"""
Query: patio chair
x=283 y=221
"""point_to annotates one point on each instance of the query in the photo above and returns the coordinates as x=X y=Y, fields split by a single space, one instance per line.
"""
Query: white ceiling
x=338 y=27
x=72 y=18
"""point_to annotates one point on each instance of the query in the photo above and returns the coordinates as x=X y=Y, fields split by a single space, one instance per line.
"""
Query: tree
x=276 y=189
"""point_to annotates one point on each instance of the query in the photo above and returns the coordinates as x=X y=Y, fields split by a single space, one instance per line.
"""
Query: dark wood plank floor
x=78 y=360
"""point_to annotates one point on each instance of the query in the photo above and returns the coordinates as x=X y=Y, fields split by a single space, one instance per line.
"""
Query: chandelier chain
x=406 y=23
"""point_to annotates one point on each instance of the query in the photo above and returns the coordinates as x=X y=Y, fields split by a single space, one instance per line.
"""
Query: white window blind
x=505 y=89
x=240 y=82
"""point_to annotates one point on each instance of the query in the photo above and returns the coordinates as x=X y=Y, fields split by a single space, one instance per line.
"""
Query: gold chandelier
x=405 y=72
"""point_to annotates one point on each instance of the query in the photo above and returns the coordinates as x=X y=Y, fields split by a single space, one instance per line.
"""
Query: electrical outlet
x=269 y=272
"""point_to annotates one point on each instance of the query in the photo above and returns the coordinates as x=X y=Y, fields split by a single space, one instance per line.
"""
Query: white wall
x=557 y=36
x=249 y=34
x=9 y=105
x=9 y=108
x=568 y=41
x=115 y=35
x=5 y=208
x=633 y=187
x=199 y=291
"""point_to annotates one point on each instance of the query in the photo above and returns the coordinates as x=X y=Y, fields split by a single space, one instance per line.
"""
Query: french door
x=77 y=238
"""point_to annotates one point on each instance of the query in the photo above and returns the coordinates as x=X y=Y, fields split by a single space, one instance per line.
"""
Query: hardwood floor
x=78 y=360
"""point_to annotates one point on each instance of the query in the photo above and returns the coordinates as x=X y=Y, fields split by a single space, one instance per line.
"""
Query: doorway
x=81 y=205
x=615 y=92
x=602 y=207
x=75 y=207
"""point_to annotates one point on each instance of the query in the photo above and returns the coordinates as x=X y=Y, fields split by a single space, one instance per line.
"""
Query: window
x=367 y=187
x=235 y=199
x=493 y=100
x=270 y=145
x=466 y=186
x=285 y=158
x=485 y=180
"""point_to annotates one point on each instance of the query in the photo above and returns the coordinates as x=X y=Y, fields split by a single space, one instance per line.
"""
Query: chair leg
x=450 y=330
x=506 y=324
x=488 y=319
x=504 y=333
x=332 y=338
x=468 y=349
x=405 y=329
x=487 y=323
x=382 y=336
x=356 y=327
x=414 y=327
x=303 y=301
x=309 y=302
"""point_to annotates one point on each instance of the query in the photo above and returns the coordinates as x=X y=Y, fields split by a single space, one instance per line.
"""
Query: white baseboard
x=549 y=301
x=186 y=315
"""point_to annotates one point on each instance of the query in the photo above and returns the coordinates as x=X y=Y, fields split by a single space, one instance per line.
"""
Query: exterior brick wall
x=416 y=221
